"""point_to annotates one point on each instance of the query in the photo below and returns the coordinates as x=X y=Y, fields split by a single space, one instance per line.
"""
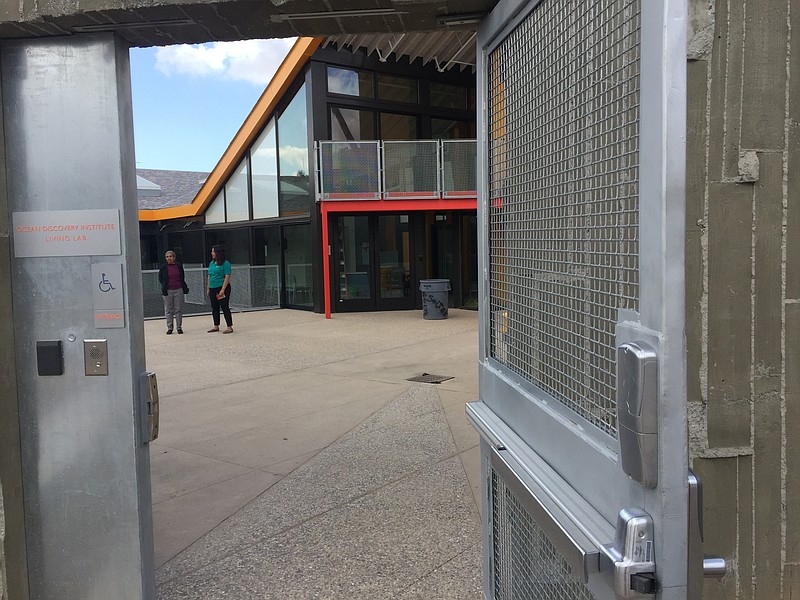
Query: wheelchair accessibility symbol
x=105 y=285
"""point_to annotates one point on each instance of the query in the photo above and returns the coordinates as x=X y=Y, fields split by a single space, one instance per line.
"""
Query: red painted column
x=326 y=263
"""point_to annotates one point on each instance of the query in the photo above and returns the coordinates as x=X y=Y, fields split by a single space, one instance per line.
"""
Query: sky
x=189 y=101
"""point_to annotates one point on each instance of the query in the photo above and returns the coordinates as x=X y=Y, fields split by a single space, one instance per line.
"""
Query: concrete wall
x=2 y=552
x=743 y=289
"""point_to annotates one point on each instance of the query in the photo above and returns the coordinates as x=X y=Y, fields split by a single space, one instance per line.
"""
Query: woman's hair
x=219 y=252
x=168 y=252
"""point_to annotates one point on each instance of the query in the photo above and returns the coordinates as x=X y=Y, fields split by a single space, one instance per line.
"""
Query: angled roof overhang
x=291 y=66
x=446 y=49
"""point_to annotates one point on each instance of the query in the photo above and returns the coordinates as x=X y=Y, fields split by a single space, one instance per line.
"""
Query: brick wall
x=743 y=289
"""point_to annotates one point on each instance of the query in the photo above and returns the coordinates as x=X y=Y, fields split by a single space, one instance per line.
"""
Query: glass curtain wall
x=350 y=124
x=350 y=83
x=215 y=213
x=294 y=182
x=237 y=195
x=264 y=168
x=273 y=180
x=398 y=127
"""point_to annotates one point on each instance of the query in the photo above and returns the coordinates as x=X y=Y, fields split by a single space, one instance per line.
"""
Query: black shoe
x=180 y=330
x=169 y=331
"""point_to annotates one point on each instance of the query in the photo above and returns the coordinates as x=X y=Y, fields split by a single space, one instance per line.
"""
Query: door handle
x=630 y=560
x=701 y=565
x=150 y=416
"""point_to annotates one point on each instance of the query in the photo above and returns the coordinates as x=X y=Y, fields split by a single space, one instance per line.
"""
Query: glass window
x=350 y=82
x=236 y=243
x=148 y=245
x=349 y=124
x=398 y=127
x=448 y=96
x=264 y=167
x=295 y=193
x=236 y=194
x=299 y=279
x=215 y=213
x=449 y=129
x=188 y=247
x=397 y=89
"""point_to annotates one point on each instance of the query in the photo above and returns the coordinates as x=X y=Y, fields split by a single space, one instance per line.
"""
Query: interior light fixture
x=136 y=25
x=462 y=19
x=368 y=12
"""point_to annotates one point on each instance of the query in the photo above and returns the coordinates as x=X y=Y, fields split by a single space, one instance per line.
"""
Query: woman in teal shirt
x=219 y=288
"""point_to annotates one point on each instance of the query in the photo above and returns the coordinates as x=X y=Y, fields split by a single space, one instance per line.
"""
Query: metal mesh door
x=563 y=113
x=526 y=564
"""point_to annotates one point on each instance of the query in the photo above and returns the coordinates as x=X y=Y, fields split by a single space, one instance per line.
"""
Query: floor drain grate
x=429 y=378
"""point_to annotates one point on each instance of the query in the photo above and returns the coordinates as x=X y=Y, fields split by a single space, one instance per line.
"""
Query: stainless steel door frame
x=85 y=460
x=585 y=456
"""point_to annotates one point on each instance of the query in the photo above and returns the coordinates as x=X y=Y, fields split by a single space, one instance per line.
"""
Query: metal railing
x=254 y=287
x=396 y=170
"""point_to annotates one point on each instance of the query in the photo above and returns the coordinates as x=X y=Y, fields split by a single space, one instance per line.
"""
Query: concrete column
x=743 y=291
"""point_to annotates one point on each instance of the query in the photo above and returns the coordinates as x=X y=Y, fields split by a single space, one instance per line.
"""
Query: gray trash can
x=434 y=298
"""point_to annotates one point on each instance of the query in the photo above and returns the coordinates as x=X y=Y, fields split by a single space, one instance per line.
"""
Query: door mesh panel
x=526 y=564
x=563 y=98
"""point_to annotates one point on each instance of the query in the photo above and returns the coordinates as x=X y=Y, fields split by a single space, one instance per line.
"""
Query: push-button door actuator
x=637 y=411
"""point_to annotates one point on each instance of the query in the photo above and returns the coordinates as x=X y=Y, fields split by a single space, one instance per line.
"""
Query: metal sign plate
x=107 y=298
x=66 y=233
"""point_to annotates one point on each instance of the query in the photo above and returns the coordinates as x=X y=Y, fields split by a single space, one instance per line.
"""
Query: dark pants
x=223 y=304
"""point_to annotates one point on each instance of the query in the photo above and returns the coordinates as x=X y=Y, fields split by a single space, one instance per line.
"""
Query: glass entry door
x=297 y=250
x=353 y=288
x=394 y=262
x=372 y=267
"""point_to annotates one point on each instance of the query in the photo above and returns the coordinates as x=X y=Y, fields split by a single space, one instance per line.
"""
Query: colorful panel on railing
x=459 y=165
x=349 y=171
x=410 y=169
x=397 y=170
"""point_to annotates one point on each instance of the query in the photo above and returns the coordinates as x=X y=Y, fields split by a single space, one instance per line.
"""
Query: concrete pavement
x=295 y=460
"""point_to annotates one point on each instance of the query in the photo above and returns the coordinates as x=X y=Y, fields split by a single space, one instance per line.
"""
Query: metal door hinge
x=150 y=414
x=630 y=560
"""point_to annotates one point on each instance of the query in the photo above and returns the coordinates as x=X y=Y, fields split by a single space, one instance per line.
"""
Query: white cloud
x=294 y=159
x=253 y=61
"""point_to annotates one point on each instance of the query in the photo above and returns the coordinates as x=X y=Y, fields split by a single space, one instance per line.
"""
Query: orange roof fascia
x=295 y=61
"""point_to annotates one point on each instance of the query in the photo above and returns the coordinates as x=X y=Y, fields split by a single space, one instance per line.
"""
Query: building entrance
x=373 y=266
x=378 y=259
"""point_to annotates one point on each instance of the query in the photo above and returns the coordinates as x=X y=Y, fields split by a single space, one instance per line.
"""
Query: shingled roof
x=163 y=189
